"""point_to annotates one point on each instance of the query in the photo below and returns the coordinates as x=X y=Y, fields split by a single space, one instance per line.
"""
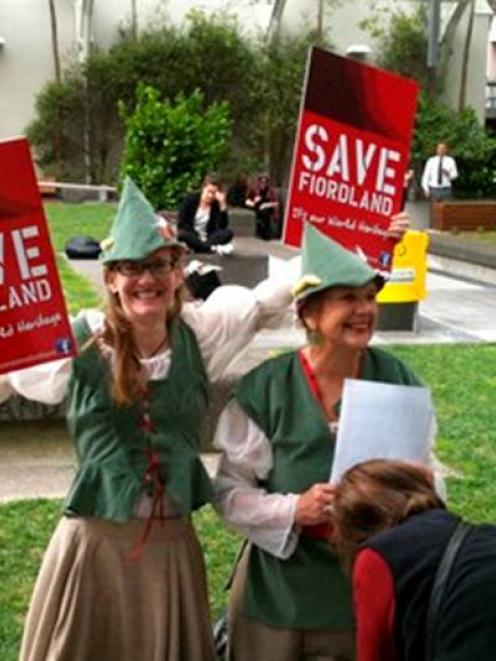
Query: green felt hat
x=137 y=231
x=326 y=264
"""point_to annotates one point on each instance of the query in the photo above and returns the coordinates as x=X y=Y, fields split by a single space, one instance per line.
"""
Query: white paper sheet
x=382 y=421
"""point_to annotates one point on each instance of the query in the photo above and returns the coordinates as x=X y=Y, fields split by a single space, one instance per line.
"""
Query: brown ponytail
x=376 y=495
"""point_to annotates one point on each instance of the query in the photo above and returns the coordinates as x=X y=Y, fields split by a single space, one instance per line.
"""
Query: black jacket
x=186 y=221
x=467 y=624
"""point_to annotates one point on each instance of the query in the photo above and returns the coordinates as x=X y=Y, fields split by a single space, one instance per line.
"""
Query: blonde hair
x=127 y=379
x=376 y=495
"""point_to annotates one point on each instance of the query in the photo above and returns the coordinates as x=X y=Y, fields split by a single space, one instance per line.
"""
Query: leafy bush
x=169 y=146
x=78 y=133
x=56 y=132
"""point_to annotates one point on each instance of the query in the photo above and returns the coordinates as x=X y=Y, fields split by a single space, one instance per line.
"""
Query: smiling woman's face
x=149 y=294
x=345 y=316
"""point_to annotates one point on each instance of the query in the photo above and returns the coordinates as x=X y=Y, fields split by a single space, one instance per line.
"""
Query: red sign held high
x=351 y=153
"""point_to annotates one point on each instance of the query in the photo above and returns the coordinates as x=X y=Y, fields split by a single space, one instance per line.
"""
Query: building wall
x=477 y=66
x=340 y=22
x=26 y=59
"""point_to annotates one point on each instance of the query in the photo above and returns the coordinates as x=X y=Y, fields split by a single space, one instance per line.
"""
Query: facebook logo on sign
x=63 y=345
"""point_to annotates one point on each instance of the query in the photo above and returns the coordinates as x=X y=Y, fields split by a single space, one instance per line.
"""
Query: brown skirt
x=92 y=603
x=252 y=640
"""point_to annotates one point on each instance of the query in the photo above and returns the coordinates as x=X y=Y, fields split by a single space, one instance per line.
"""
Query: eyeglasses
x=156 y=267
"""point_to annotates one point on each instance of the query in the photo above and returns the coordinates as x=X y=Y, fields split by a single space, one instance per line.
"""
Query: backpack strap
x=439 y=586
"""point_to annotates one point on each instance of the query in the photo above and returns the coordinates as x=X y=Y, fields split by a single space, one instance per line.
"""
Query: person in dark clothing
x=264 y=200
x=203 y=219
x=392 y=529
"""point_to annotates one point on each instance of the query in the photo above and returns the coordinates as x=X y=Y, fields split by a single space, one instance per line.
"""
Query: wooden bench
x=72 y=192
x=464 y=215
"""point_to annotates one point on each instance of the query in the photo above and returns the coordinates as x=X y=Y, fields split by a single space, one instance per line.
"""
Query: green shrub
x=78 y=133
x=56 y=132
x=170 y=146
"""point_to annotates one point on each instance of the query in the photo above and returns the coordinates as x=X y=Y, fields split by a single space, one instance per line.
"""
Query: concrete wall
x=477 y=65
x=26 y=59
x=340 y=22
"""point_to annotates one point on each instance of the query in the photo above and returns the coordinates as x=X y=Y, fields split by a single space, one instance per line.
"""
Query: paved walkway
x=39 y=460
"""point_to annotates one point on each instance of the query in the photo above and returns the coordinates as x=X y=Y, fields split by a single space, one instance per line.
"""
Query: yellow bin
x=407 y=281
x=398 y=300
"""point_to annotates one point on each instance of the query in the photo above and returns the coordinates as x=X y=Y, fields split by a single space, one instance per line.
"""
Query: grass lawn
x=487 y=238
x=65 y=220
x=79 y=292
x=22 y=545
x=463 y=380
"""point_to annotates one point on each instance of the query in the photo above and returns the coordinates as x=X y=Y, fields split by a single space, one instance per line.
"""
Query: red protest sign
x=34 y=327
x=351 y=152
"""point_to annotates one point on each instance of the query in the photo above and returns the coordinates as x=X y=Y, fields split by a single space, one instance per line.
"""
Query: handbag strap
x=439 y=586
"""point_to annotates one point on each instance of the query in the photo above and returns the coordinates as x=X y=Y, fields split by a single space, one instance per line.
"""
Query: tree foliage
x=473 y=149
x=278 y=92
x=209 y=54
x=401 y=41
x=260 y=81
x=170 y=145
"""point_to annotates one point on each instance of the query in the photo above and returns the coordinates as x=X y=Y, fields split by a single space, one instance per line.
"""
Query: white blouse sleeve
x=45 y=383
x=228 y=320
x=266 y=519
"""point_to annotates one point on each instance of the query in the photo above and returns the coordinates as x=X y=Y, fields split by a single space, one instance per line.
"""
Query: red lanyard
x=311 y=378
x=321 y=530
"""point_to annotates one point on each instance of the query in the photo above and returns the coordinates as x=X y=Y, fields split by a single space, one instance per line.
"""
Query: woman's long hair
x=376 y=495
x=127 y=380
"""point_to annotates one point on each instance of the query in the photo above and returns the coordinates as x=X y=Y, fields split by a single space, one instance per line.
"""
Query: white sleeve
x=426 y=176
x=453 y=169
x=228 y=320
x=45 y=383
x=265 y=519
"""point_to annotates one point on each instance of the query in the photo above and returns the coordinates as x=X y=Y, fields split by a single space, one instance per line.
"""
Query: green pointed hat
x=137 y=231
x=326 y=264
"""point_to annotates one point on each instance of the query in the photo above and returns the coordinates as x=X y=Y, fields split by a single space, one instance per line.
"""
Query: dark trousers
x=267 y=227
x=439 y=194
x=193 y=241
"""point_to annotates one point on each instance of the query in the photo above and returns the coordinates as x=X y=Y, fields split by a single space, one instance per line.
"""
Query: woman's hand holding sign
x=399 y=224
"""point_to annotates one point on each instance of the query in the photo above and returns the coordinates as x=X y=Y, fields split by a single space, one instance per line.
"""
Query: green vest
x=308 y=590
x=110 y=442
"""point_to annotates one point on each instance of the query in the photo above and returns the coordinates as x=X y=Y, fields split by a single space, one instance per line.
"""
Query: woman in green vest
x=123 y=578
x=289 y=600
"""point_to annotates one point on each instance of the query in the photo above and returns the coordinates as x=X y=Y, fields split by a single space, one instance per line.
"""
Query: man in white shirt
x=439 y=172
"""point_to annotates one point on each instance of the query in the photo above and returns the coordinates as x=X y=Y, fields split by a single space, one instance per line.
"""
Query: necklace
x=162 y=344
